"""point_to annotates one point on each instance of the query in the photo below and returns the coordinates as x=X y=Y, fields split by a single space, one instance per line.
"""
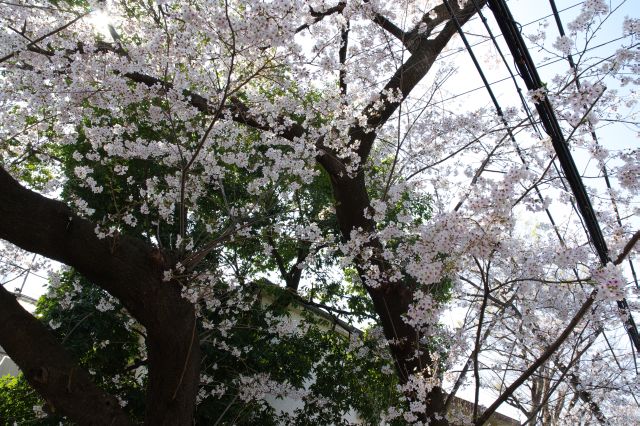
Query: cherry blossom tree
x=165 y=150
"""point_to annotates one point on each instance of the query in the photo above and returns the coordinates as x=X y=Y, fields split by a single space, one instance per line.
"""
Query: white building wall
x=6 y=365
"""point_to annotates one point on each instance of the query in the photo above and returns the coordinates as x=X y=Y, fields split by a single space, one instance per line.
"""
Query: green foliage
x=317 y=360
x=24 y=160
x=98 y=332
x=320 y=361
x=17 y=402
x=411 y=203
x=330 y=373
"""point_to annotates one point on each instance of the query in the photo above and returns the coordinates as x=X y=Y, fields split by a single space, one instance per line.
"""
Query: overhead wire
x=623 y=304
x=545 y=64
x=455 y=52
x=528 y=112
x=529 y=74
x=594 y=136
x=593 y=406
x=458 y=51
x=495 y=102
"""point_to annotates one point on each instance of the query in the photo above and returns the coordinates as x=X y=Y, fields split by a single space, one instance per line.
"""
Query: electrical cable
x=594 y=137
x=585 y=395
x=529 y=74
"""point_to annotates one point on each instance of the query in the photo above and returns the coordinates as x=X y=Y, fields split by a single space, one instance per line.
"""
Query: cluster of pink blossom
x=628 y=173
x=563 y=44
x=631 y=26
x=610 y=282
x=590 y=10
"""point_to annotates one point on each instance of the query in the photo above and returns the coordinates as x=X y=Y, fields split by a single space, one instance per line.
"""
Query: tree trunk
x=52 y=371
x=128 y=269
x=392 y=299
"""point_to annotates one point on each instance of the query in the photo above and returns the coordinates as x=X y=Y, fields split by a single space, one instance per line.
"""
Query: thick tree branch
x=390 y=27
x=411 y=39
x=436 y=16
x=238 y=111
x=342 y=54
x=392 y=300
x=278 y=258
x=128 y=269
x=52 y=371
x=424 y=53
x=47 y=227
x=574 y=380
x=319 y=16
x=627 y=248
x=295 y=273
x=540 y=361
x=33 y=43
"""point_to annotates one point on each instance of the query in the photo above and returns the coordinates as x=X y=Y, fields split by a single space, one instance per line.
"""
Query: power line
x=500 y=35
x=594 y=137
x=584 y=395
x=529 y=74
x=499 y=109
x=461 y=50
x=500 y=80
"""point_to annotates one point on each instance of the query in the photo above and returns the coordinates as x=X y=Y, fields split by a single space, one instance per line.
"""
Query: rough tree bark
x=128 y=269
x=51 y=371
x=392 y=300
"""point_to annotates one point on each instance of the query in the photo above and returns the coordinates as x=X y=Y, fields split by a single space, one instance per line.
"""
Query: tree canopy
x=203 y=169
